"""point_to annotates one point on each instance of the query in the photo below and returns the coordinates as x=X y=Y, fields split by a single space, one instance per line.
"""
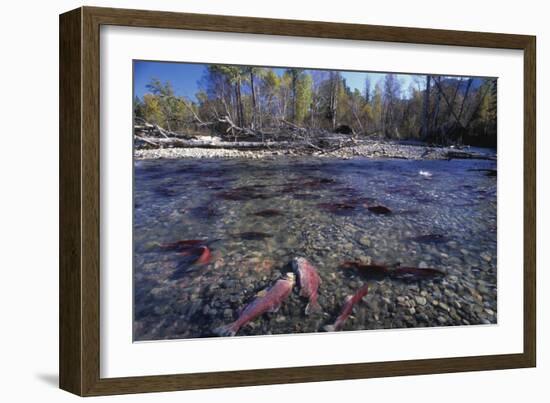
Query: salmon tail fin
x=313 y=308
x=227 y=330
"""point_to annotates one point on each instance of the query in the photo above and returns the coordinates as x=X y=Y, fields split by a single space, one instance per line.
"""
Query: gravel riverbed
x=446 y=221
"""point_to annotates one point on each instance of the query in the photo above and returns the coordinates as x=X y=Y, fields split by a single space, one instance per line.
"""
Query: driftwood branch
x=190 y=109
x=146 y=129
x=469 y=155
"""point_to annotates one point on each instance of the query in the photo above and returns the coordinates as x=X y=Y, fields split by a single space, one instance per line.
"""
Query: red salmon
x=205 y=256
x=269 y=300
x=309 y=282
x=183 y=245
x=415 y=273
x=351 y=300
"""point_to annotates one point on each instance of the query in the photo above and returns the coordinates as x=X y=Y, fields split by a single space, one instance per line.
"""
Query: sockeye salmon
x=193 y=257
x=205 y=256
x=351 y=300
x=309 y=281
x=416 y=273
x=396 y=271
x=269 y=300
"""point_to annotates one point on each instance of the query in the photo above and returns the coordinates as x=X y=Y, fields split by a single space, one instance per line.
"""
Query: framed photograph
x=249 y=201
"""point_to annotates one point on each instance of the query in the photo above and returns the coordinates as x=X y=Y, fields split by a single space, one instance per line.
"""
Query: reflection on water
x=255 y=215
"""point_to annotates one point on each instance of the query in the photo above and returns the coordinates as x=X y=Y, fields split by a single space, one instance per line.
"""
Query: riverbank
x=368 y=149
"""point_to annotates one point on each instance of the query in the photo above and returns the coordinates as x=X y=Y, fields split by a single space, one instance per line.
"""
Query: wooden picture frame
x=80 y=186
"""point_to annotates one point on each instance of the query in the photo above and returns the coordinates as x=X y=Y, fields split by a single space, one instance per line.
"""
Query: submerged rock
x=365 y=241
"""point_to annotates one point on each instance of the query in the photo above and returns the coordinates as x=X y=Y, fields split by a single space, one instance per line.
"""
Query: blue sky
x=185 y=77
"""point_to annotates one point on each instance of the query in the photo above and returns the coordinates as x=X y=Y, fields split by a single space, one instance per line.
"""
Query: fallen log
x=220 y=144
x=469 y=155
x=147 y=141
x=293 y=126
x=149 y=130
x=217 y=143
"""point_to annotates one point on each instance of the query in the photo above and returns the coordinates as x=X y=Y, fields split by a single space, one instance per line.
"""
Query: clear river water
x=254 y=216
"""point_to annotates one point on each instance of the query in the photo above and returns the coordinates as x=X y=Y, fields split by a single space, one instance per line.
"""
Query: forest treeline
x=250 y=101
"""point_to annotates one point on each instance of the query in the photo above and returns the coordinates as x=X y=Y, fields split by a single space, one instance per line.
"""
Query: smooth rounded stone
x=470 y=261
x=280 y=319
x=444 y=306
x=353 y=284
x=412 y=311
x=248 y=281
x=476 y=295
x=442 y=320
x=291 y=240
x=452 y=278
x=150 y=246
x=364 y=259
x=490 y=305
x=449 y=294
x=482 y=288
x=489 y=312
x=365 y=241
x=422 y=317
x=420 y=300
x=477 y=309
x=228 y=313
x=373 y=304
x=347 y=247
x=454 y=261
x=414 y=288
x=351 y=229
x=455 y=316
x=486 y=256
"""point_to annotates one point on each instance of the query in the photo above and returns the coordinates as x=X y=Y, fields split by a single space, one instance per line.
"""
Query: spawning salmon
x=269 y=300
x=351 y=300
x=309 y=282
